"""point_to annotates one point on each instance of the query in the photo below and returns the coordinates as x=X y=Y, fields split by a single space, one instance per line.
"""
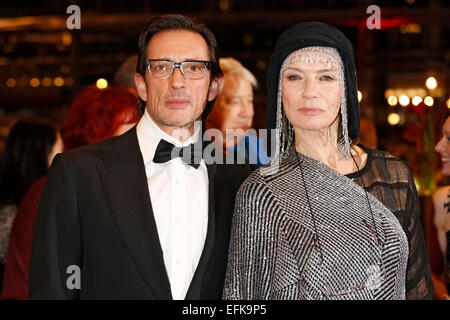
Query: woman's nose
x=247 y=110
x=310 y=88
x=439 y=145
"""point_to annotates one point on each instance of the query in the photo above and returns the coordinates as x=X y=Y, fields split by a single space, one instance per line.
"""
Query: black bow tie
x=191 y=154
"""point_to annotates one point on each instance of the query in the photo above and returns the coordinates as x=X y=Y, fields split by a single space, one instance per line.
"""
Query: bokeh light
x=393 y=119
x=403 y=100
x=431 y=83
x=102 y=83
x=392 y=100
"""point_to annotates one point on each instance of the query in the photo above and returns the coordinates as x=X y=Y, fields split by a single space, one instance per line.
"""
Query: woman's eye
x=293 y=77
x=326 y=78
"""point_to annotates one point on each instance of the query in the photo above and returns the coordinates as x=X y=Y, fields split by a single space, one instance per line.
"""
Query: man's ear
x=140 y=86
x=214 y=88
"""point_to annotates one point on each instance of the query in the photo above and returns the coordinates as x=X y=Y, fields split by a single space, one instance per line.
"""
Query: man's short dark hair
x=176 y=22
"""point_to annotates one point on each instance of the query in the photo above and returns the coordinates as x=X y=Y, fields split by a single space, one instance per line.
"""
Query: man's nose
x=177 y=79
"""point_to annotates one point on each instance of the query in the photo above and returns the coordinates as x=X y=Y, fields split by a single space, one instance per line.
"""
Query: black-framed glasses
x=191 y=69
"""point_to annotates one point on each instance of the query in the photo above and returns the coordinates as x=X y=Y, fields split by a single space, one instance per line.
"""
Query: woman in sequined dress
x=328 y=218
x=441 y=201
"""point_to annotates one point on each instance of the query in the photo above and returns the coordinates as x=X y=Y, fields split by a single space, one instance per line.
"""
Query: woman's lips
x=176 y=103
x=310 y=111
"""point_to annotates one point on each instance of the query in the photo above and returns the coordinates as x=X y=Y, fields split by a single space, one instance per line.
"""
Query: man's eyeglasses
x=163 y=69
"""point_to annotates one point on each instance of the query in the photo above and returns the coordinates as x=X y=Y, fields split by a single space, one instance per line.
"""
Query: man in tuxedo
x=126 y=219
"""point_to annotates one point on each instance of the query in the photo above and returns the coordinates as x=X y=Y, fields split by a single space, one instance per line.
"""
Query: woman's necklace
x=316 y=234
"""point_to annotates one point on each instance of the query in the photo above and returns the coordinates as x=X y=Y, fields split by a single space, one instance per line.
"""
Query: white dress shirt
x=179 y=197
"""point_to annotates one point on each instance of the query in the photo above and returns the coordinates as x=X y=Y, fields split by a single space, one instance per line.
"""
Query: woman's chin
x=313 y=127
x=446 y=170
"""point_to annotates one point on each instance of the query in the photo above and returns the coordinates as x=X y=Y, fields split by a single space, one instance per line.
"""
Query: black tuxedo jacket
x=96 y=213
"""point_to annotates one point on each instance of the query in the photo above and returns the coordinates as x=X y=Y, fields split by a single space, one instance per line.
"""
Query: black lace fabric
x=389 y=179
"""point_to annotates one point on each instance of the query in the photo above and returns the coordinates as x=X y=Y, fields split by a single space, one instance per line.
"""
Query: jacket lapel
x=125 y=184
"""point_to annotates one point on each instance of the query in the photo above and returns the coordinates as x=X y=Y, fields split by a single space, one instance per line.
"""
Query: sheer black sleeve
x=390 y=180
x=419 y=284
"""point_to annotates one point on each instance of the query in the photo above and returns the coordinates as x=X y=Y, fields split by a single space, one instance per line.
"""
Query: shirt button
x=178 y=261
x=177 y=181
x=177 y=220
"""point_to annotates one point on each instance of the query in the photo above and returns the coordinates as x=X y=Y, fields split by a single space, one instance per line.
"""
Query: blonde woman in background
x=233 y=114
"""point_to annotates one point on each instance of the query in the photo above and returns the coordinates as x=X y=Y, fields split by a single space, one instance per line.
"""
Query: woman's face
x=443 y=147
x=58 y=147
x=311 y=95
x=126 y=125
x=124 y=128
x=233 y=108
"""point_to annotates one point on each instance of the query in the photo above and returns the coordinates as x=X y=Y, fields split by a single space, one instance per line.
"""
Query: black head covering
x=310 y=34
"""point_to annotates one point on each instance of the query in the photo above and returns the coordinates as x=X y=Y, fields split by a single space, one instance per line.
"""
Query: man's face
x=176 y=102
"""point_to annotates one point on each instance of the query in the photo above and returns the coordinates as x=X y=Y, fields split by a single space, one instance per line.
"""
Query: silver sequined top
x=339 y=248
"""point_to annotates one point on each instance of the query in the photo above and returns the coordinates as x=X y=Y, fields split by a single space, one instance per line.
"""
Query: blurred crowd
x=32 y=143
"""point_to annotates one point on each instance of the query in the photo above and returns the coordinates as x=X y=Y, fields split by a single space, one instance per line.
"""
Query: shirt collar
x=149 y=135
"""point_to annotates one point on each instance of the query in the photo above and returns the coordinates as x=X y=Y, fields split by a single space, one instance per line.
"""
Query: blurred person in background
x=94 y=115
x=97 y=114
x=233 y=112
x=29 y=150
x=441 y=202
x=124 y=76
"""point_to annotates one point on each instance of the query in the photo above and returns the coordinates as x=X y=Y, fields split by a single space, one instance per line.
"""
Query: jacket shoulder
x=97 y=150
x=123 y=147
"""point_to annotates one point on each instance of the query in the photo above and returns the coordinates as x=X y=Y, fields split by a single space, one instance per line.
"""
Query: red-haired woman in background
x=94 y=115
x=97 y=114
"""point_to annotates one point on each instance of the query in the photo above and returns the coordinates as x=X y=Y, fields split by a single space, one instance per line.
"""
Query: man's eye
x=193 y=68
x=161 y=67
